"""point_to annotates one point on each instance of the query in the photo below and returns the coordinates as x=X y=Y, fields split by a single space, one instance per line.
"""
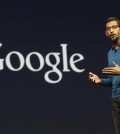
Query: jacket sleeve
x=106 y=82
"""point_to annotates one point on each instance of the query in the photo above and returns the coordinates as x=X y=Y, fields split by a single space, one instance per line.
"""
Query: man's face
x=113 y=30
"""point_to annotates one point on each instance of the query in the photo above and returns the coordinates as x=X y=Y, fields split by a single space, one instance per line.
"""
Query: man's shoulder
x=110 y=51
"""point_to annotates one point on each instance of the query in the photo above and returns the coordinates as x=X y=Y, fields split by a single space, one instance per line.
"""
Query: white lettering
x=65 y=59
x=50 y=75
x=8 y=61
x=28 y=62
x=54 y=68
x=72 y=62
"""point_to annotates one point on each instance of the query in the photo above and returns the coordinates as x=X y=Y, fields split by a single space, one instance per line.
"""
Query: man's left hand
x=112 y=70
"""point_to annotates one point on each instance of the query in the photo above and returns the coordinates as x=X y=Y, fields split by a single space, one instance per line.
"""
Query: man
x=112 y=31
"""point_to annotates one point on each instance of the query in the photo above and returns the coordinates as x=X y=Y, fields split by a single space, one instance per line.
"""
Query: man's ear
x=106 y=33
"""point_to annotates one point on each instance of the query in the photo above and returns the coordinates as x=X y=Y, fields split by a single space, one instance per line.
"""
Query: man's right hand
x=94 y=78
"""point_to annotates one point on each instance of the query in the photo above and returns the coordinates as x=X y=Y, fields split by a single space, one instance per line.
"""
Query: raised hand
x=94 y=78
x=112 y=70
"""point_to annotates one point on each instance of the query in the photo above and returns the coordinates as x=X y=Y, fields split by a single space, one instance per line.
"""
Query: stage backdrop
x=47 y=49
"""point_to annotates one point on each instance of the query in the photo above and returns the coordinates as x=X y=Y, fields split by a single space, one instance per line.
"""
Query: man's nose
x=111 y=30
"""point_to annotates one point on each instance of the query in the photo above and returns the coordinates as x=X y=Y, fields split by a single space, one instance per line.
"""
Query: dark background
x=30 y=105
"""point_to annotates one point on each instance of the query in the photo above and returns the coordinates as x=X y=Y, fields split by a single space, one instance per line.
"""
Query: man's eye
x=114 y=26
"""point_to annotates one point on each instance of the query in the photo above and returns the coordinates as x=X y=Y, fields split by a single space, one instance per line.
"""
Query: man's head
x=113 y=29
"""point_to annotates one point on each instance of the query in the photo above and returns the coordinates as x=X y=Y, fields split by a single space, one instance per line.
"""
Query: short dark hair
x=113 y=19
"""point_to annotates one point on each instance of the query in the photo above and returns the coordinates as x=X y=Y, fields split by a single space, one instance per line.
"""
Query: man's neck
x=116 y=44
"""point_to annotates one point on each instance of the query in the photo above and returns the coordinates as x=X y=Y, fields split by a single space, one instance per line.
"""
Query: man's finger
x=108 y=69
x=116 y=65
x=107 y=72
x=90 y=73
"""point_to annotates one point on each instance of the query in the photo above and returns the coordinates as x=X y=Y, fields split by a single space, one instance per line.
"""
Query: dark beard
x=115 y=40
